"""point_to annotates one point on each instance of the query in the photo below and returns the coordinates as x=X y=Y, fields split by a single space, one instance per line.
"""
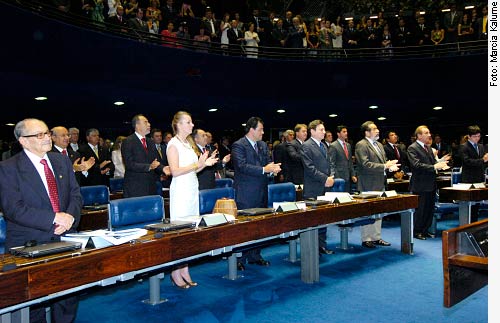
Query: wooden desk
x=32 y=283
x=463 y=274
x=93 y=220
x=465 y=199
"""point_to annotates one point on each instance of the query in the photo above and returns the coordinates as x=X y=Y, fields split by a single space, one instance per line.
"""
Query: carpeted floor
x=357 y=285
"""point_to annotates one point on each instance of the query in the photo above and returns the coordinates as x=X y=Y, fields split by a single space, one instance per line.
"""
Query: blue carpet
x=356 y=285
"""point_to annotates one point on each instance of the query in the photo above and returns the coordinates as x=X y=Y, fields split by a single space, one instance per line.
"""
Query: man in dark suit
x=206 y=177
x=141 y=159
x=99 y=173
x=236 y=38
x=440 y=146
x=41 y=200
x=279 y=154
x=293 y=159
x=252 y=166
x=317 y=176
x=372 y=165
x=393 y=150
x=138 y=23
x=340 y=153
x=474 y=162
x=60 y=144
x=157 y=137
x=424 y=168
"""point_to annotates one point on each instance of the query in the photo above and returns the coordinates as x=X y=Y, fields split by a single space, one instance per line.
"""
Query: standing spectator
x=293 y=159
x=423 y=181
x=74 y=137
x=184 y=164
x=141 y=160
x=35 y=207
x=252 y=166
x=450 y=21
x=474 y=162
x=103 y=167
x=371 y=167
x=317 y=176
x=252 y=41
x=340 y=152
x=116 y=157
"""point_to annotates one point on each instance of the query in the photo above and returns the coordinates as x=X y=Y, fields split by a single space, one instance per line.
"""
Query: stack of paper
x=105 y=238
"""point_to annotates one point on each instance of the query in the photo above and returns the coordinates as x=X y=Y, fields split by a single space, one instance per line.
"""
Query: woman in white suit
x=252 y=42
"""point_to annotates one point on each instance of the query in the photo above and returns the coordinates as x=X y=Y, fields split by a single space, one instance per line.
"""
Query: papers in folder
x=105 y=238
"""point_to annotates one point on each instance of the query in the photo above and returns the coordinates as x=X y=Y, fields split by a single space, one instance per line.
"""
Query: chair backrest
x=223 y=182
x=280 y=192
x=95 y=195
x=3 y=233
x=135 y=211
x=456 y=175
x=338 y=185
x=207 y=198
x=116 y=184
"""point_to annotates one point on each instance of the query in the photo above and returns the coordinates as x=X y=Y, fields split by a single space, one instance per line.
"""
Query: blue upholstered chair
x=223 y=182
x=116 y=184
x=338 y=185
x=443 y=208
x=95 y=195
x=3 y=231
x=133 y=212
x=208 y=197
x=280 y=192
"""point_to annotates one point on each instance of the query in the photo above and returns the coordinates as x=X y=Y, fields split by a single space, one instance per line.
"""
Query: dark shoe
x=260 y=262
x=420 y=236
x=382 y=243
x=430 y=235
x=240 y=266
x=191 y=284
x=326 y=251
x=368 y=244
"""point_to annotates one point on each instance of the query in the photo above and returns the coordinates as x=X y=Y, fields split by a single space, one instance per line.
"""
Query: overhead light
x=41 y=98
x=381 y=118
x=10 y=124
x=446 y=10
x=244 y=124
x=373 y=107
x=422 y=12
x=119 y=103
x=348 y=18
x=333 y=115
x=280 y=111
x=438 y=108
x=212 y=110
x=469 y=7
x=373 y=17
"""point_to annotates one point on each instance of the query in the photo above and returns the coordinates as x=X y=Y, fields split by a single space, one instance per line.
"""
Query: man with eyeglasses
x=474 y=162
x=41 y=200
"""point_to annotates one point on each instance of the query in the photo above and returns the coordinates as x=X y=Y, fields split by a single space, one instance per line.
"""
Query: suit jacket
x=25 y=201
x=390 y=154
x=250 y=183
x=473 y=166
x=73 y=155
x=293 y=161
x=341 y=166
x=95 y=177
x=206 y=177
x=139 y=180
x=139 y=25
x=370 y=166
x=233 y=36
x=423 y=174
x=316 y=168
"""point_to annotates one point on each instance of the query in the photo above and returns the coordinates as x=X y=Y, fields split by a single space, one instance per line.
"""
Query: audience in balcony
x=252 y=41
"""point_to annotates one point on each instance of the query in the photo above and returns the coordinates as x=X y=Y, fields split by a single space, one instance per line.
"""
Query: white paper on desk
x=479 y=185
x=339 y=197
x=379 y=193
x=462 y=186
x=105 y=238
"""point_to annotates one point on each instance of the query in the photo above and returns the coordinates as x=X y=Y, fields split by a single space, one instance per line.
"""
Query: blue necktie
x=323 y=149
x=476 y=148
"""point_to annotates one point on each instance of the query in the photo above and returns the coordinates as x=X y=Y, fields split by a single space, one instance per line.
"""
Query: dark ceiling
x=83 y=72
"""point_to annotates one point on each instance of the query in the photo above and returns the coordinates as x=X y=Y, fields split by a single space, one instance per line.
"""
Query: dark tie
x=203 y=150
x=158 y=147
x=144 y=144
x=345 y=151
x=64 y=152
x=476 y=148
x=397 y=152
x=323 y=149
x=51 y=183
x=256 y=148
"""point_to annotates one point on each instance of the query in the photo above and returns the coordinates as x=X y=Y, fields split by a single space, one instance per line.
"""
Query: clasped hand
x=273 y=168
x=63 y=222
x=392 y=165
x=206 y=160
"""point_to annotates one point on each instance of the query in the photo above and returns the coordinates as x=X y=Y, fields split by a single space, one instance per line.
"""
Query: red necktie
x=51 y=183
x=345 y=151
x=64 y=152
x=144 y=144
x=397 y=152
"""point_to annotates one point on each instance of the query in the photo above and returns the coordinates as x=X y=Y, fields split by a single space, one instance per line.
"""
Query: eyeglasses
x=39 y=135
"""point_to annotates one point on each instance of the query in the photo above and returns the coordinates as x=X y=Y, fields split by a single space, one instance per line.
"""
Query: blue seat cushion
x=136 y=211
x=95 y=195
